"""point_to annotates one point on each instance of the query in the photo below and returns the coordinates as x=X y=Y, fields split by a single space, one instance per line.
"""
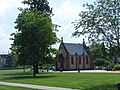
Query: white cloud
x=4 y=41
x=8 y=4
x=4 y=38
x=2 y=34
x=8 y=11
x=65 y=14
x=66 y=10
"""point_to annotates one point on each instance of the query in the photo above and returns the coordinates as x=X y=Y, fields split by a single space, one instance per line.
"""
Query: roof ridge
x=74 y=43
x=74 y=48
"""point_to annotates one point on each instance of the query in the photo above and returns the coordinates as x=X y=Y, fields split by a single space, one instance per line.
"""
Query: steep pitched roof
x=73 y=48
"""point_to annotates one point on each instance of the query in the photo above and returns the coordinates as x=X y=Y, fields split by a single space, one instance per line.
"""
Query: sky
x=65 y=12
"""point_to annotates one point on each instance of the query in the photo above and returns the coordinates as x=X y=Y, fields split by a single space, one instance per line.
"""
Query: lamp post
x=77 y=62
x=78 y=65
x=79 y=70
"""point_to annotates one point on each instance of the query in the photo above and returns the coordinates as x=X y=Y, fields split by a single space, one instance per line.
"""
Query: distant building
x=74 y=57
x=3 y=58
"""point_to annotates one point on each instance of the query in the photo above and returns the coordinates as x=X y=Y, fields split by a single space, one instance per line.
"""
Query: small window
x=83 y=58
x=86 y=60
x=90 y=58
x=79 y=60
x=72 y=61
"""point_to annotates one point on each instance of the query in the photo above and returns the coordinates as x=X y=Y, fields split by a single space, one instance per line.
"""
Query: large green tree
x=43 y=7
x=99 y=53
x=35 y=35
x=98 y=50
x=101 y=22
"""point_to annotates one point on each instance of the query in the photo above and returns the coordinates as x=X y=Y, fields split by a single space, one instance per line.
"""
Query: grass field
x=83 y=81
x=2 y=87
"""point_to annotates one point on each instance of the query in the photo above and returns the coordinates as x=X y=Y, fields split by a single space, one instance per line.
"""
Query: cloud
x=2 y=34
x=8 y=13
x=66 y=11
x=8 y=4
x=4 y=41
x=64 y=14
x=4 y=38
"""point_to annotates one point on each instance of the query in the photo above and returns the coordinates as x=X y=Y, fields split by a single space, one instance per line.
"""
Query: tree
x=102 y=63
x=43 y=7
x=36 y=33
x=34 y=38
x=101 y=22
x=99 y=53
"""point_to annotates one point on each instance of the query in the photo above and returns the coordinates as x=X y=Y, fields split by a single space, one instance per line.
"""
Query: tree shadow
x=25 y=73
x=27 y=77
x=102 y=87
x=20 y=73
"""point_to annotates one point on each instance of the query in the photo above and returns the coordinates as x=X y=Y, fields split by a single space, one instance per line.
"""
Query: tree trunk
x=23 y=68
x=78 y=70
x=36 y=67
x=47 y=68
x=34 y=74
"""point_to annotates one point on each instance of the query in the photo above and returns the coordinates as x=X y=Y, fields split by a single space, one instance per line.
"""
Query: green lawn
x=2 y=87
x=83 y=81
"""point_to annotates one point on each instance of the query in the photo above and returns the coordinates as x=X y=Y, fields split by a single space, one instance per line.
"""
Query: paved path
x=34 y=86
x=90 y=71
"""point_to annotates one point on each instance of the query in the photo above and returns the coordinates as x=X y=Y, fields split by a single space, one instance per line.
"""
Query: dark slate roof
x=74 y=48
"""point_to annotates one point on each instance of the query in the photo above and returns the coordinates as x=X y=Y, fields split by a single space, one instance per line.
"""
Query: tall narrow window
x=72 y=61
x=79 y=60
x=83 y=58
x=86 y=60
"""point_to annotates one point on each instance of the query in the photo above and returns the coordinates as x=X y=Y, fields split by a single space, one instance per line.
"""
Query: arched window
x=79 y=60
x=86 y=60
x=72 y=60
x=83 y=58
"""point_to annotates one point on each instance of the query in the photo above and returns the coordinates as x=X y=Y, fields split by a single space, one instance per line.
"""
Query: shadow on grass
x=102 y=87
x=20 y=73
x=26 y=77
x=23 y=73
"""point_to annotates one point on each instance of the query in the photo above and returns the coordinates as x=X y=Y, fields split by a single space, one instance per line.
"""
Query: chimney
x=84 y=46
x=83 y=41
x=61 y=39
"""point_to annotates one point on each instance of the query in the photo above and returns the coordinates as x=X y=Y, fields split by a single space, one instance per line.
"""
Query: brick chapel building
x=74 y=57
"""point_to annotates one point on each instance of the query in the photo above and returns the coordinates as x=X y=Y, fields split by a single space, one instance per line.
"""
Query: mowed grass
x=82 y=81
x=3 y=87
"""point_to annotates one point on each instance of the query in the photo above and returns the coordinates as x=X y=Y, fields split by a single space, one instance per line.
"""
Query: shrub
x=117 y=67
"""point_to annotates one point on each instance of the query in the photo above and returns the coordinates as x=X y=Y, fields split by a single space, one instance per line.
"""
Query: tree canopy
x=101 y=23
x=32 y=42
x=40 y=5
